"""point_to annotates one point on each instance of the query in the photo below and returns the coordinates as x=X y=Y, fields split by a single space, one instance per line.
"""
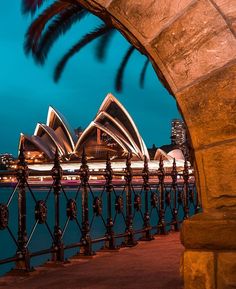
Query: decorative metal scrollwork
x=137 y=202
x=57 y=173
x=97 y=206
x=154 y=200
x=71 y=209
x=119 y=204
x=4 y=216
x=41 y=211
x=168 y=199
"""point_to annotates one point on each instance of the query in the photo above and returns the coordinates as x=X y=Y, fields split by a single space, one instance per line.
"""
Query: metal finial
x=21 y=156
x=108 y=162
x=145 y=166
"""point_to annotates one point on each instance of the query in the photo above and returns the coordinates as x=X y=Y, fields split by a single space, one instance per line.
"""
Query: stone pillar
x=192 y=46
x=209 y=260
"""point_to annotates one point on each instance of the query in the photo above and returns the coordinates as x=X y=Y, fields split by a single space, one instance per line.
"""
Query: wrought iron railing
x=130 y=205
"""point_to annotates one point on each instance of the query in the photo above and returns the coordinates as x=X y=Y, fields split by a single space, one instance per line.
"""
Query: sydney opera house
x=113 y=130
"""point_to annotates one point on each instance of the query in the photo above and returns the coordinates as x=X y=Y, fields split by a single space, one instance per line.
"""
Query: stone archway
x=192 y=46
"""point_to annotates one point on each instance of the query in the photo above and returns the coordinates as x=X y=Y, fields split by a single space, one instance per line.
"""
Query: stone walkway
x=149 y=265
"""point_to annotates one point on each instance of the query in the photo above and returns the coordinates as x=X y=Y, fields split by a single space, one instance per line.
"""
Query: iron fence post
x=58 y=246
x=110 y=241
x=23 y=263
x=161 y=177
x=186 y=190
x=129 y=239
x=86 y=248
x=147 y=236
x=174 y=175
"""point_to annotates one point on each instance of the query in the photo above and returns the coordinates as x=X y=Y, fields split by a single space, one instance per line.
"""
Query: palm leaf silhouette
x=36 y=28
x=59 y=26
x=102 y=46
x=30 y=6
x=56 y=20
x=89 y=37
x=120 y=73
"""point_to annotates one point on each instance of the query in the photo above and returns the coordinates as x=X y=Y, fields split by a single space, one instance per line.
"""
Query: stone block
x=228 y=9
x=195 y=44
x=226 y=275
x=198 y=270
x=148 y=17
x=209 y=108
x=213 y=230
x=217 y=175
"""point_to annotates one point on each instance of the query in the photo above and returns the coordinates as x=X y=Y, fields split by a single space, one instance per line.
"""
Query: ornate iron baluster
x=22 y=253
x=110 y=241
x=161 y=176
x=57 y=243
x=86 y=249
x=129 y=239
x=186 y=190
x=174 y=175
x=146 y=225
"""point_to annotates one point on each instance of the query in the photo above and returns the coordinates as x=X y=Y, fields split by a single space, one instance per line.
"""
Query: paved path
x=149 y=265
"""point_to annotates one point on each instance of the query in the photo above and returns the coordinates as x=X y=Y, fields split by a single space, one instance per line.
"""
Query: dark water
x=41 y=238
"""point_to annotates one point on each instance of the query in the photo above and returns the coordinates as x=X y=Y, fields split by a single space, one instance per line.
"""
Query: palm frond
x=89 y=37
x=59 y=26
x=36 y=28
x=143 y=73
x=120 y=73
x=30 y=6
x=103 y=43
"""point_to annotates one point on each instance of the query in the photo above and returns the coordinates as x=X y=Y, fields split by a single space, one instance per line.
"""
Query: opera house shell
x=112 y=130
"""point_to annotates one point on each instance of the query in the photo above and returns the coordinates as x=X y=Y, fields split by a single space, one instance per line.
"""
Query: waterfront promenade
x=150 y=265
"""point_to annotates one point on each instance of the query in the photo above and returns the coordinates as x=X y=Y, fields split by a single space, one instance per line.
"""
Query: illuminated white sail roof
x=160 y=153
x=58 y=123
x=110 y=123
x=48 y=135
x=117 y=111
x=93 y=141
x=35 y=143
x=177 y=154
x=112 y=130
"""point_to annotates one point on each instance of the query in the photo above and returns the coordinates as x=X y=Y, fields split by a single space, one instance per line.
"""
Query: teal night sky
x=26 y=90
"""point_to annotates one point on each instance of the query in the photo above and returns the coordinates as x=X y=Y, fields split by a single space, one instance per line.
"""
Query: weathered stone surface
x=198 y=270
x=149 y=16
x=213 y=230
x=226 y=275
x=209 y=108
x=195 y=44
x=228 y=9
x=217 y=174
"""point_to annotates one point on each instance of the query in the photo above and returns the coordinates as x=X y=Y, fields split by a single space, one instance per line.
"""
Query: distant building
x=178 y=132
x=179 y=138
x=6 y=160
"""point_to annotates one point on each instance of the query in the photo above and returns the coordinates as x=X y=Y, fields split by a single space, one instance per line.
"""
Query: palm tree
x=56 y=20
